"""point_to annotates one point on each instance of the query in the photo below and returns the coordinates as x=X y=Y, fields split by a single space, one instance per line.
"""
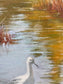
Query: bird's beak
x=36 y=64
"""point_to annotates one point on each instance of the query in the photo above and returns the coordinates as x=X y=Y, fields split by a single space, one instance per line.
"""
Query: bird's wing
x=18 y=79
x=14 y=81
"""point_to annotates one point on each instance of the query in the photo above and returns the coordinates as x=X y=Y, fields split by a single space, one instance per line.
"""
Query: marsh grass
x=53 y=6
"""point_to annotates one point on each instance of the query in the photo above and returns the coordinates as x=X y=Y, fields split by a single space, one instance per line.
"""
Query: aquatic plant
x=5 y=37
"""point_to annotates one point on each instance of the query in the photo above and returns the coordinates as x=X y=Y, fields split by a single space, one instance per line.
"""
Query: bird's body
x=28 y=77
x=23 y=80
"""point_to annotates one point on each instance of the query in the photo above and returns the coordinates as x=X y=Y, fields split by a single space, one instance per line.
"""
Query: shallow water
x=39 y=35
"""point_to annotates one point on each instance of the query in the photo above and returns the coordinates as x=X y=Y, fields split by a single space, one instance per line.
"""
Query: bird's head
x=30 y=60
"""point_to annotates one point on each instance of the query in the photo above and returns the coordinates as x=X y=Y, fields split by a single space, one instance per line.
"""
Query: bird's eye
x=30 y=59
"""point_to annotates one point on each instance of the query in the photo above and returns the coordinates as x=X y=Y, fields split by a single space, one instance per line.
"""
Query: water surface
x=39 y=35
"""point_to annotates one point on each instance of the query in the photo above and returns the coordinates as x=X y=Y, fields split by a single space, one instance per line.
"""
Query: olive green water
x=39 y=35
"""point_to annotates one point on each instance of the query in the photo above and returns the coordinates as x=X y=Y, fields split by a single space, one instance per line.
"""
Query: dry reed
x=50 y=5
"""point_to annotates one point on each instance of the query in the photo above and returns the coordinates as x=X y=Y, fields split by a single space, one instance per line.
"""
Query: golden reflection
x=57 y=52
x=55 y=73
x=50 y=27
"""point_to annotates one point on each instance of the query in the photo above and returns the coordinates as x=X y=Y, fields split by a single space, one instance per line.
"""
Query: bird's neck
x=29 y=69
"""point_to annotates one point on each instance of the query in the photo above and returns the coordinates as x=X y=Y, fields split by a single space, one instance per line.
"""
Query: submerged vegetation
x=4 y=36
x=53 y=6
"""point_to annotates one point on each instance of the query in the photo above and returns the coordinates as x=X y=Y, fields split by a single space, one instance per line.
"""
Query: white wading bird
x=28 y=77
